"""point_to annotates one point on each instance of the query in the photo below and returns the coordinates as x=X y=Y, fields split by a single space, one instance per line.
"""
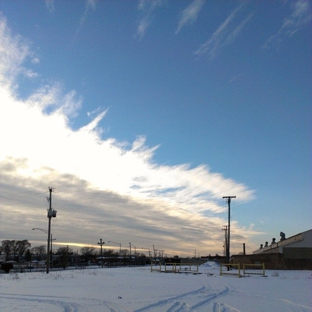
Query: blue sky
x=144 y=114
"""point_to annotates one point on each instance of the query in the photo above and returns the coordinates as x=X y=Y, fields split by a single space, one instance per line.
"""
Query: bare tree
x=124 y=252
x=18 y=248
x=39 y=251
x=6 y=247
x=22 y=247
x=88 y=253
x=64 y=253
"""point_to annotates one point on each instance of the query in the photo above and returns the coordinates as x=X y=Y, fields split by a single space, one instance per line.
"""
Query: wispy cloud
x=189 y=14
x=50 y=5
x=301 y=15
x=89 y=5
x=225 y=34
x=99 y=181
x=15 y=50
x=146 y=8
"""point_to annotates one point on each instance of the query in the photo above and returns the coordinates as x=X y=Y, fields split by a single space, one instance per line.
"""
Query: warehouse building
x=292 y=253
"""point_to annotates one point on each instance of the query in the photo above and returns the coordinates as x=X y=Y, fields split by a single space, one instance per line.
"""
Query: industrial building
x=292 y=253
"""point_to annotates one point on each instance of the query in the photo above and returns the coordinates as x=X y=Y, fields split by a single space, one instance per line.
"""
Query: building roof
x=303 y=239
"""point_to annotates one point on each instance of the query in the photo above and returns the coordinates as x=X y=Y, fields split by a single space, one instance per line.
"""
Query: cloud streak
x=189 y=14
x=89 y=5
x=301 y=15
x=14 y=51
x=50 y=5
x=225 y=34
x=98 y=181
x=146 y=8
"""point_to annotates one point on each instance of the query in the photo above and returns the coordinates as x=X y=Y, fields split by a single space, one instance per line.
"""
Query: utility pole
x=228 y=229
x=130 y=249
x=154 y=250
x=51 y=214
x=225 y=228
x=101 y=243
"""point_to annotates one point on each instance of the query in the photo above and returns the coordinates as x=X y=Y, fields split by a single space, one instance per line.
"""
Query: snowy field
x=138 y=289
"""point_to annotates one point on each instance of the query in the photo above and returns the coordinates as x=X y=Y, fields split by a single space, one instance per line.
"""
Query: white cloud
x=301 y=15
x=97 y=179
x=146 y=7
x=14 y=51
x=50 y=5
x=89 y=5
x=225 y=34
x=189 y=14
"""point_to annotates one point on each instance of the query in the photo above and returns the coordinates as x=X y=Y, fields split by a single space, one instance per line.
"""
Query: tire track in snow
x=31 y=303
x=280 y=304
x=179 y=304
x=299 y=307
x=221 y=307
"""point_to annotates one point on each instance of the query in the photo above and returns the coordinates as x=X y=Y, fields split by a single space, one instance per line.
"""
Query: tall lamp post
x=51 y=239
x=119 y=249
x=101 y=243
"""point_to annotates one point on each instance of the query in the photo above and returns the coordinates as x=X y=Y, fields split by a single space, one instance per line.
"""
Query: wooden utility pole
x=228 y=228
x=225 y=238
x=51 y=214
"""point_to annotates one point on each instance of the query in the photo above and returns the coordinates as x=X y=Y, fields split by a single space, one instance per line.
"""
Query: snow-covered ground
x=138 y=289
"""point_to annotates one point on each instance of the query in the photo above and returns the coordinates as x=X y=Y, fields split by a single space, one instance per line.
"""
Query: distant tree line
x=20 y=251
x=15 y=249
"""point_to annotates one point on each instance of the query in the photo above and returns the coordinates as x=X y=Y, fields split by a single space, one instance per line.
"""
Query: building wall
x=274 y=261
x=305 y=242
x=301 y=240
x=297 y=253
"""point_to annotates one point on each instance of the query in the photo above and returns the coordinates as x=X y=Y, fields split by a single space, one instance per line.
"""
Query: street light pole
x=101 y=243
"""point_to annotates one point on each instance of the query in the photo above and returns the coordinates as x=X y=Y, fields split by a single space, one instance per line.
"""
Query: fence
x=174 y=267
x=229 y=267
x=259 y=266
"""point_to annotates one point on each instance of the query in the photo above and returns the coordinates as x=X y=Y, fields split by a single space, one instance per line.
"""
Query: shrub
x=6 y=267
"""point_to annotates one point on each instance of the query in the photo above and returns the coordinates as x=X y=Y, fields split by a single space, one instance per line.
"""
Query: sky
x=143 y=115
